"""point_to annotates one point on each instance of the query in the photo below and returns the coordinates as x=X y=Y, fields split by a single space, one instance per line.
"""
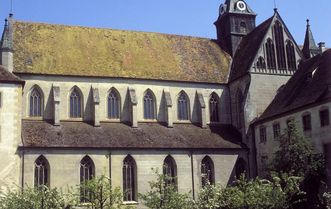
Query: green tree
x=296 y=156
x=101 y=194
x=31 y=198
x=163 y=195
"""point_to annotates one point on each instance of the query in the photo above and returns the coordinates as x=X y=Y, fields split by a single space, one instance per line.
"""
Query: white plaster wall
x=10 y=134
x=64 y=166
x=105 y=84
x=318 y=135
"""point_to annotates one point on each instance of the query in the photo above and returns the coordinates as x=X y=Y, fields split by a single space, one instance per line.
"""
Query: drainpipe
x=193 y=191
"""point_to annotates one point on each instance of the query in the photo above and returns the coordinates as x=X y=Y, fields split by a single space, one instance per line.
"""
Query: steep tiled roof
x=118 y=135
x=309 y=85
x=7 y=77
x=247 y=50
x=81 y=51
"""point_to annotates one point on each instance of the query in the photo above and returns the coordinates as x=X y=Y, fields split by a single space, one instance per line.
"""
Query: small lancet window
x=114 y=104
x=207 y=171
x=149 y=105
x=170 y=171
x=243 y=27
x=271 y=59
x=129 y=179
x=291 y=60
x=260 y=64
x=75 y=103
x=182 y=107
x=41 y=172
x=87 y=172
x=279 y=38
x=213 y=108
x=36 y=103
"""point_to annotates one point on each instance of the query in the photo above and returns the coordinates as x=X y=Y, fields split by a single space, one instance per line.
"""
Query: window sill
x=182 y=122
x=74 y=120
x=148 y=121
x=111 y=121
x=33 y=118
x=130 y=203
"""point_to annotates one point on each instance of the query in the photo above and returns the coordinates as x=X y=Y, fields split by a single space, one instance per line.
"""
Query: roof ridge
x=110 y=29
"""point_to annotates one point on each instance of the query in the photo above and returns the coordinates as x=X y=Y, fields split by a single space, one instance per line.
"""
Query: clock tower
x=236 y=19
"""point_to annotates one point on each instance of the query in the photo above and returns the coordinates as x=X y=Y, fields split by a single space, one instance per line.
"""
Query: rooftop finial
x=275 y=9
x=11 y=15
x=308 y=23
x=6 y=22
x=275 y=6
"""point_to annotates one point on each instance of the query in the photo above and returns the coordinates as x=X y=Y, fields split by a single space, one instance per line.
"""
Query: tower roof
x=7 y=36
x=310 y=48
x=237 y=6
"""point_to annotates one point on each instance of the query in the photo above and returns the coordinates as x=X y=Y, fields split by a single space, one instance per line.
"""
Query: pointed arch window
x=213 y=108
x=290 y=52
x=75 y=103
x=271 y=59
x=114 y=104
x=87 y=172
x=129 y=179
x=260 y=64
x=149 y=105
x=36 y=103
x=243 y=27
x=207 y=171
x=182 y=107
x=279 y=38
x=170 y=171
x=41 y=172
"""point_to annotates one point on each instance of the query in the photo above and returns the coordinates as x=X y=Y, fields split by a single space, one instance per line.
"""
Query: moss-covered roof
x=81 y=51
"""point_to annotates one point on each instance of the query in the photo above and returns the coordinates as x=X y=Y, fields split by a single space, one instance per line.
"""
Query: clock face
x=241 y=5
x=222 y=9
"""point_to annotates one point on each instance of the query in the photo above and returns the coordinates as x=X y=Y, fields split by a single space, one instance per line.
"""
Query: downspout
x=109 y=165
x=22 y=165
x=192 y=174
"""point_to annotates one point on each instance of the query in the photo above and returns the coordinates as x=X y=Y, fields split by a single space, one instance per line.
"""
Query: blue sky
x=183 y=17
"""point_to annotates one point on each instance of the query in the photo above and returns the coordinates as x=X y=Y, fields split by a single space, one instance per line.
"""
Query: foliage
x=164 y=195
x=244 y=194
x=101 y=194
x=41 y=198
x=327 y=200
x=297 y=157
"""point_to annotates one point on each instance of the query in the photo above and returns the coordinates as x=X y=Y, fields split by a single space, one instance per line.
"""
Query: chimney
x=321 y=46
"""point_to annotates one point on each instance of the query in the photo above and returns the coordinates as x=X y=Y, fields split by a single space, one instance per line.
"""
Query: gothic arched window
x=41 y=172
x=183 y=106
x=75 y=103
x=149 y=105
x=240 y=167
x=129 y=179
x=291 y=61
x=114 y=104
x=213 y=108
x=243 y=27
x=36 y=102
x=260 y=64
x=271 y=59
x=170 y=170
x=87 y=172
x=207 y=171
x=279 y=38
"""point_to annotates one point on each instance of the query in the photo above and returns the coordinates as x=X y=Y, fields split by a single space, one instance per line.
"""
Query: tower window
x=263 y=135
x=75 y=103
x=182 y=107
x=276 y=129
x=261 y=63
x=36 y=103
x=114 y=105
x=170 y=171
x=149 y=105
x=279 y=37
x=243 y=27
x=87 y=172
x=41 y=172
x=291 y=61
x=213 y=108
x=129 y=179
x=271 y=59
x=207 y=171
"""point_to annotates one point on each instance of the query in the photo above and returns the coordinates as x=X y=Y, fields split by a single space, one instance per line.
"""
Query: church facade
x=79 y=102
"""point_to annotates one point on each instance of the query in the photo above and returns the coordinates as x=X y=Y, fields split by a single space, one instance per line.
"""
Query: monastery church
x=78 y=102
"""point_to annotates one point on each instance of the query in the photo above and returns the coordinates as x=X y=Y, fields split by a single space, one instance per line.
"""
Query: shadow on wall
x=48 y=112
x=88 y=110
x=126 y=113
x=162 y=109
